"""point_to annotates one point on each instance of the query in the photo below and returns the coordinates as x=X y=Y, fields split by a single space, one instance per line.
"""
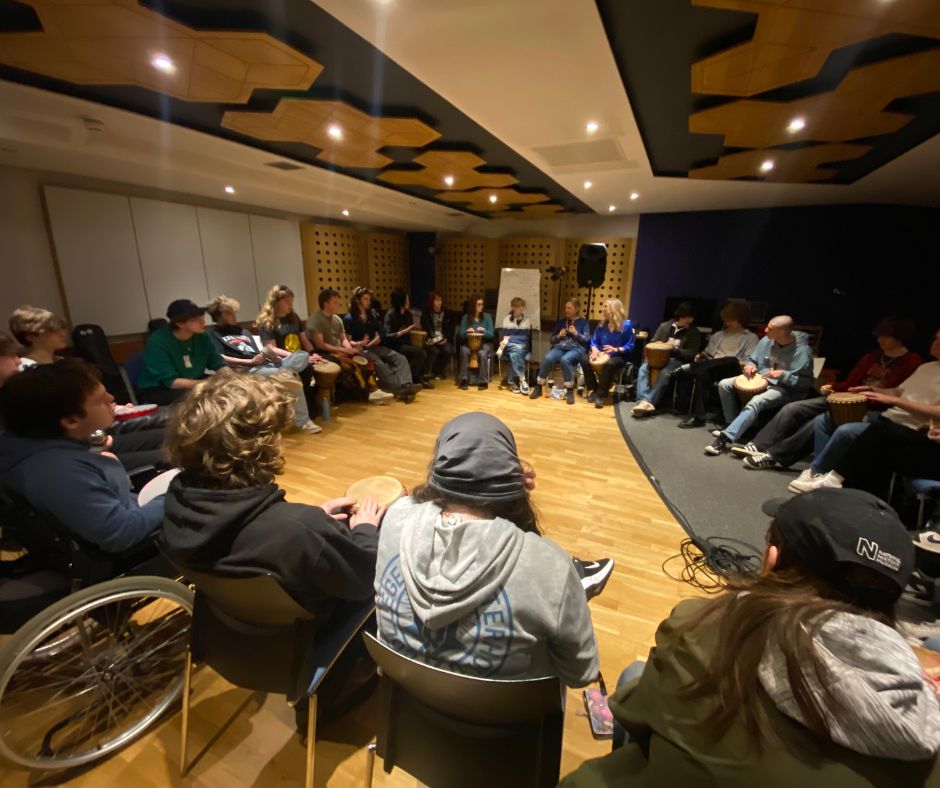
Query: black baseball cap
x=829 y=528
x=183 y=307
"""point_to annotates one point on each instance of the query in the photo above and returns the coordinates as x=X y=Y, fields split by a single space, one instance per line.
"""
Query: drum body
x=846 y=408
x=599 y=362
x=384 y=489
x=325 y=374
x=418 y=338
x=747 y=388
x=474 y=342
x=657 y=356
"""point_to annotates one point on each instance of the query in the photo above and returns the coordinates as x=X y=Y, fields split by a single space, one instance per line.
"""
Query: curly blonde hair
x=220 y=304
x=267 y=317
x=226 y=434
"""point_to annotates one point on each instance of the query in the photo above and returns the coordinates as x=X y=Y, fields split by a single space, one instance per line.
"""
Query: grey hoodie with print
x=481 y=598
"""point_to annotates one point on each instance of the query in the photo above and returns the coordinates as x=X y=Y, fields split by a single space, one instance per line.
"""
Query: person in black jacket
x=686 y=342
x=439 y=326
x=399 y=321
x=224 y=513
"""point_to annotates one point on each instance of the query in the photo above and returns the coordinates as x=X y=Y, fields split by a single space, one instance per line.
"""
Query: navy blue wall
x=842 y=267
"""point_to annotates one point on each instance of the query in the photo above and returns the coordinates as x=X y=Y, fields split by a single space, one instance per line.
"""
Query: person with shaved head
x=785 y=360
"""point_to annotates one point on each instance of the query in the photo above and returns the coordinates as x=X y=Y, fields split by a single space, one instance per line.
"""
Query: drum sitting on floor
x=418 y=338
x=846 y=407
x=598 y=363
x=748 y=388
x=325 y=375
x=474 y=342
x=384 y=489
x=657 y=356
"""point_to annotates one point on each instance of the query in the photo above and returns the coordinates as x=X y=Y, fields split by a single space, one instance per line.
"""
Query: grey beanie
x=475 y=459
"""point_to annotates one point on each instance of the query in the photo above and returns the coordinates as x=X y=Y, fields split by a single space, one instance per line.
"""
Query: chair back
x=257 y=600
x=133 y=366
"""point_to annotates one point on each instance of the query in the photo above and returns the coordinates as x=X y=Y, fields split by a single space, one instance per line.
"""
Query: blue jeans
x=296 y=363
x=741 y=419
x=831 y=442
x=653 y=394
x=517 y=354
x=569 y=359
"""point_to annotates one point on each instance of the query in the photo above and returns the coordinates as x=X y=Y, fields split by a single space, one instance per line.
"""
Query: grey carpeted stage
x=710 y=496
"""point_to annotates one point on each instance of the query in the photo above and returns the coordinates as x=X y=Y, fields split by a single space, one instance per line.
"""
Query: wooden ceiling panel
x=542 y=211
x=800 y=166
x=308 y=121
x=479 y=199
x=439 y=164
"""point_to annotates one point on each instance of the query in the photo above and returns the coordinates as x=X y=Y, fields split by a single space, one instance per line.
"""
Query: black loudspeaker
x=592 y=265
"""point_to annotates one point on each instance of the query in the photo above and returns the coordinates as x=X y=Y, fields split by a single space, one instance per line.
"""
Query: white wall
x=27 y=273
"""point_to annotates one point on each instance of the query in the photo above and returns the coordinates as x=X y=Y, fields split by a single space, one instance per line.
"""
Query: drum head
x=385 y=489
x=744 y=383
x=845 y=398
x=326 y=368
x=659 y=346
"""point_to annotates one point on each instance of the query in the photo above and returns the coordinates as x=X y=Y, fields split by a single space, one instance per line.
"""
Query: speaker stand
x=590 y=298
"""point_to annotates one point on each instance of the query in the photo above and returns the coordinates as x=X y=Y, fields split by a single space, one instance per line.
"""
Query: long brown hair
x=267 y=317
x=472 y=307
x=784 y=608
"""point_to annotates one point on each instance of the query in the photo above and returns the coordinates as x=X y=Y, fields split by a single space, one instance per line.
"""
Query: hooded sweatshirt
x=481 y=597
x=85 y=493
x=254 y=530
x=885 y=731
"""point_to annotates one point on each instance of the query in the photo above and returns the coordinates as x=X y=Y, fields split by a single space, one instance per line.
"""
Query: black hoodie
x=254 y=530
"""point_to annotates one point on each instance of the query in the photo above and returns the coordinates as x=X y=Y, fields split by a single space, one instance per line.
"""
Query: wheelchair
x=87 y=674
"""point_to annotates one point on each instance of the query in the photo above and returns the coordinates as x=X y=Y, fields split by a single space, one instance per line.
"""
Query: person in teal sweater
x=476 y=322
x=178 y=355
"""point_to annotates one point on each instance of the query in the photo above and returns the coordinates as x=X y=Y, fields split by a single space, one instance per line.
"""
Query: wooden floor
x=593 y=500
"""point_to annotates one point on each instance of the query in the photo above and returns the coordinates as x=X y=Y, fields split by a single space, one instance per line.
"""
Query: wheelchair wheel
x=93 y=671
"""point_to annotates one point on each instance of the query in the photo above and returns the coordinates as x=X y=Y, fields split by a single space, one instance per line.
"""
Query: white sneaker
x=523 y=387
x=380 y=397
x=311 y=427
x=822 y=481
x=804 y=478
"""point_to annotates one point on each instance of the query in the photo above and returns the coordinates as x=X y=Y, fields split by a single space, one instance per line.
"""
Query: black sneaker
x=483 y=386
x=761 y=462
x=536 y=391
x=691 y=423
x=719 y=446
x=427 y=384
x=463 y=384
x=745 y=449
x=592 y=396
x=594 y=574
x=569 y=396
x=598 y=402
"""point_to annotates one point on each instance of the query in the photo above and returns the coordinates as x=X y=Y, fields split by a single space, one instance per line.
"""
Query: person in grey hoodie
x=49 y=413
x=785 y=360
x=464 y=580
x=793 y=677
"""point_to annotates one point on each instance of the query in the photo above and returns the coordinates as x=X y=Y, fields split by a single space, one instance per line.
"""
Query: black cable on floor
x=707 y=563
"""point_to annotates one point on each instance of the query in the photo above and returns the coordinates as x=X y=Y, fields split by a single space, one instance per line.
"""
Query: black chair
x=91 y=344
x=255 y=635
x=444 y=728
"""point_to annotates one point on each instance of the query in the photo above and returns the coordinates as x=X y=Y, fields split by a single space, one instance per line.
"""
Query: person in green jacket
x=794 y=677
x=178 y=355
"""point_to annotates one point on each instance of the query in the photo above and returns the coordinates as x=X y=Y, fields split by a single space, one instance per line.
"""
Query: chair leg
x=184 y=732
x=370 y=763
x=311 y=740
x=921 y=501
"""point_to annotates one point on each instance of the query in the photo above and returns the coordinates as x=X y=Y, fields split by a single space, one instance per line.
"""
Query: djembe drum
x=384 y=489
x=657 y=357
x=325 y=374
x=417 y=337
x=748 y=388
x=474 y=342
x=598 y=364
x=846 y=407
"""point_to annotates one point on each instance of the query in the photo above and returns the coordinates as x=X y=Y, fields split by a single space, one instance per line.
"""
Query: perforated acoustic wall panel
x=541 y=253
x=388 y=265
x=333 y=257
x=462 y=263
x=619 y=275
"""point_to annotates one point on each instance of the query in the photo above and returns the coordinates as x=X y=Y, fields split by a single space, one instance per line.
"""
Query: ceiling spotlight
x=634 y=195
x=591 y=126
x=795 y=125
x=334 y=131
x=588 y=184
x=230 y=190
x=163 y=63
x=611 y=208
x=767 y=165
x=449 y=180
x=493 y=198
x=345 y=212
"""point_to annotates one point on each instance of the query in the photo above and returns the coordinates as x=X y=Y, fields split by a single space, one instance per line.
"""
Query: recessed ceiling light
x=634 y=195
x=230 y=190
x=345 y=212
x=591 y=126
x=493 y=198
x=335 y=131
x=588 y=184
x=795 y=125
x=767 y=165
x=163 y=63
x=449 y=180
x=611 y=208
